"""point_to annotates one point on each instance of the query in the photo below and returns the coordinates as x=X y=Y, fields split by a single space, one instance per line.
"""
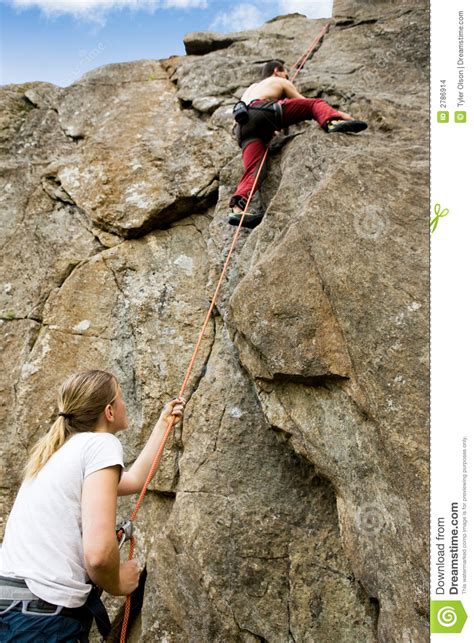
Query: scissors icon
x=439 y=214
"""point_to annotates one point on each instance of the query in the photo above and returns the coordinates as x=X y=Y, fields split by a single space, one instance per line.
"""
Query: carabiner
x=124 y=531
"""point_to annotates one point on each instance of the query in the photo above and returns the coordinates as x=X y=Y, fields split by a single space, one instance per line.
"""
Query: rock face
x=292 y=502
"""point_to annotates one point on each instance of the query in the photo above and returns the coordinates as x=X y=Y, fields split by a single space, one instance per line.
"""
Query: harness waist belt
x=15 y=589
x=15 y=595
x=265 y=117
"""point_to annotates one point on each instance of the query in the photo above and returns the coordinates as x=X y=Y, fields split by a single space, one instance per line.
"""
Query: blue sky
x=59 y=40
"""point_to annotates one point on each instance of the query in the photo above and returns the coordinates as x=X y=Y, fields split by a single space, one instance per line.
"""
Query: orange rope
x=171 y=423
x=304 y=57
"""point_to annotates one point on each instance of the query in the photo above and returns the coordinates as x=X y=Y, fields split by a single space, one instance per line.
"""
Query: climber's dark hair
x=269 y=67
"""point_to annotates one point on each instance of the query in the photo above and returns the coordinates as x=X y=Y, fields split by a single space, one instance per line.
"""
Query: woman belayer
x=60 y=547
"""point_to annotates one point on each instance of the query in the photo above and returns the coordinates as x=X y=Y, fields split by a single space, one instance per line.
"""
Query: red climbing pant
x=294 y=110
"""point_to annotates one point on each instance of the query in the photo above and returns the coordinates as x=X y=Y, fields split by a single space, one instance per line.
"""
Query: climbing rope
x=299 y=65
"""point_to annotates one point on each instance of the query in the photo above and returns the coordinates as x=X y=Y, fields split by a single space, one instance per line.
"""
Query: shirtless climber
x=274 y=104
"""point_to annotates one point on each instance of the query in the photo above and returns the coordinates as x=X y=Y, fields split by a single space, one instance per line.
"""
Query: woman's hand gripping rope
x=173 y=410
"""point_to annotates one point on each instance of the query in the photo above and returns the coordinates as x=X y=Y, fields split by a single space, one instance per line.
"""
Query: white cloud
x=249 y=16
x=95 y=10
x=241 y=17
x=309 y=8
x=184 y=4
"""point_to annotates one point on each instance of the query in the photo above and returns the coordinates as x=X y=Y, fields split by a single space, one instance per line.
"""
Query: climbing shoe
x=345 y=126
x=251 y=219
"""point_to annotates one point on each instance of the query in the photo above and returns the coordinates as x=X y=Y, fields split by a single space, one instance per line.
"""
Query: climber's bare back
x=271 y=88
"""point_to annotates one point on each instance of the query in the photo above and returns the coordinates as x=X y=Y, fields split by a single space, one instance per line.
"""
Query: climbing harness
x=264 y=117
x=299 y=65
x=16 y=596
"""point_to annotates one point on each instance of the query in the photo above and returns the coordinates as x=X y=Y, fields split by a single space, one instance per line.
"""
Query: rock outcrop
x=292 y=502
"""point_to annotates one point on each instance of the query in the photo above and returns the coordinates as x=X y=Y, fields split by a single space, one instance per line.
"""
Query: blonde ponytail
x=81 y=400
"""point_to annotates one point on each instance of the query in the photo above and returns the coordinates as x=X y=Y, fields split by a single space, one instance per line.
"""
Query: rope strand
x=299 y=64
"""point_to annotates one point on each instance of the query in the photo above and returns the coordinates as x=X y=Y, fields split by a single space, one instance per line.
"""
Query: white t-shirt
x=43 y=537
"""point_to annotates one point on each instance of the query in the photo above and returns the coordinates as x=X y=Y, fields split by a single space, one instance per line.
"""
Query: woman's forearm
x=139 y=470
x=106 y=572
x=141 y=467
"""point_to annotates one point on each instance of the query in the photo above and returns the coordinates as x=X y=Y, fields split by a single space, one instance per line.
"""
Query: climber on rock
x=265 y=107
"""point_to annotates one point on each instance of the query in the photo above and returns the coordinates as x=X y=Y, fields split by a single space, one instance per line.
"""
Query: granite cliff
x=292 y=502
